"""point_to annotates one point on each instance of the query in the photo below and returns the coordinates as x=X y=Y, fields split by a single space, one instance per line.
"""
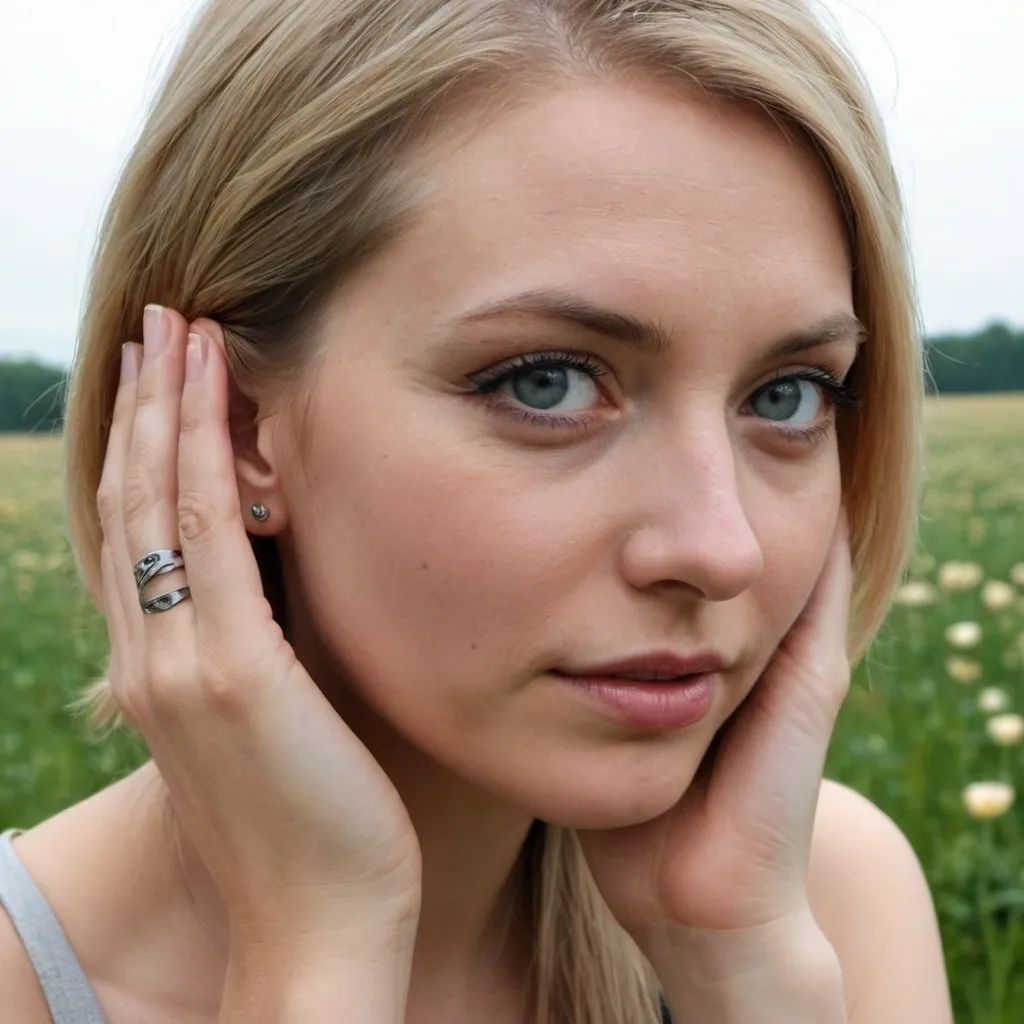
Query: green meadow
x=933 y=711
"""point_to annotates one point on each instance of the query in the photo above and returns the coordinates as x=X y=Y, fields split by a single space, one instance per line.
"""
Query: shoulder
x=870 y=896
x=23 y=995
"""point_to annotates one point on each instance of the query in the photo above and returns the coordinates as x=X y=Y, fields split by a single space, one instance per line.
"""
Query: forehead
x=645 y=193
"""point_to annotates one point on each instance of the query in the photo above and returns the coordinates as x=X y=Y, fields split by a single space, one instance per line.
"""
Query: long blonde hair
x=275 y=159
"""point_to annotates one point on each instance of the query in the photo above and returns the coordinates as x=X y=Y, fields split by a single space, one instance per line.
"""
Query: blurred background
x=932 y=731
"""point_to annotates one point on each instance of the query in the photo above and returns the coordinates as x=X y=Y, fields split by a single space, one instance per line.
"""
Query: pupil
x=783 y=398
x=542 y=386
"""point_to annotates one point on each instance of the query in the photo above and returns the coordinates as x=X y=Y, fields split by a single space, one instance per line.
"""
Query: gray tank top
x=69 y=995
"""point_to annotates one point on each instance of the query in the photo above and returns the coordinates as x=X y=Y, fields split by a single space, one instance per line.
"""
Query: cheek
x=429 y=574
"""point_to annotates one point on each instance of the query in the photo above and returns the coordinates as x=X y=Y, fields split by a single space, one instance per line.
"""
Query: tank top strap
x=70 y=996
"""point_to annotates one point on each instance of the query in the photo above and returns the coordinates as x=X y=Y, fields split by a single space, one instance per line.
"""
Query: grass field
x=931 y=711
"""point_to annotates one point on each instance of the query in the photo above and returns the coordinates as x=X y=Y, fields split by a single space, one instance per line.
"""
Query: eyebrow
x=648 y=336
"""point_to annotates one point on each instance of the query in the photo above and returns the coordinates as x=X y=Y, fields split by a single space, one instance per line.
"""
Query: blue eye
x=542 y=380
x=782 y=398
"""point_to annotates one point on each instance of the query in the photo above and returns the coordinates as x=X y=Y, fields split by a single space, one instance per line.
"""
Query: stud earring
x=260 y=512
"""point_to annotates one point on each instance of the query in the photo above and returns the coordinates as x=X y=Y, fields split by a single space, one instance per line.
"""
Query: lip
x=649 y=706
x=699 y=663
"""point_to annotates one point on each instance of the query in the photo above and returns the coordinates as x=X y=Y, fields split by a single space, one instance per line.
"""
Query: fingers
x=829 y=604
x=150 y=486
x=222 y=571
x=829 y=614
x=120 y=595
x=168 y=482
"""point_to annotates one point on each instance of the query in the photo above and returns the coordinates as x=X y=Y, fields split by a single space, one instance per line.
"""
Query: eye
x=796 y=401
x=544 y=380
x=789 y=397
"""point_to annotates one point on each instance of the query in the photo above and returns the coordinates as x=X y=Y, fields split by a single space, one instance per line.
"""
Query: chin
x=641 y=793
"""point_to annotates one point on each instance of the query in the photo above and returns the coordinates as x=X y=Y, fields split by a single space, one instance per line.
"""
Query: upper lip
x=655 y=661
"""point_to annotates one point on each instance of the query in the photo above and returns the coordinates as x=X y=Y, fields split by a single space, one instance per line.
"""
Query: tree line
x=32 y=393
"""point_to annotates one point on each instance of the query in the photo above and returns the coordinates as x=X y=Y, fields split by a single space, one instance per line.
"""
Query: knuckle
x=177 y=692
x=146 y=394
x=224 y=694
x=197 y=516
x=190 y=419
x=108 y=505
x=165 y=688
x=138 y=495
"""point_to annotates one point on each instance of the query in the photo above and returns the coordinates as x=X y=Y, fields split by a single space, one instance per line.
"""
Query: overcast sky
x=75 y=76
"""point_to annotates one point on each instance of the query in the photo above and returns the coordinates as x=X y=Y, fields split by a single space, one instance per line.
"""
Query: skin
x=441 y=556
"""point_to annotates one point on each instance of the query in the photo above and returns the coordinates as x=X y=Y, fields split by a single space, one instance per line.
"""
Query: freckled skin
x=449 y=556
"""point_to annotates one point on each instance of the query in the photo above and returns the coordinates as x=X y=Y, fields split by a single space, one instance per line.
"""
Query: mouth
x=646 y=704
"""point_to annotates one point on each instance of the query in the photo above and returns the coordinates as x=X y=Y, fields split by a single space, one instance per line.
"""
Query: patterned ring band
x=156 y=563
x=165 y=601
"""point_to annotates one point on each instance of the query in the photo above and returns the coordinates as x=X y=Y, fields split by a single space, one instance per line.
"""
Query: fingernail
x=155 y=329
x=195 y=356
x=129 y=362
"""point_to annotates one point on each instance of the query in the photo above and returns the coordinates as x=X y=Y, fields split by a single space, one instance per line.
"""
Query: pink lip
x=650 y=705
x=664 y=661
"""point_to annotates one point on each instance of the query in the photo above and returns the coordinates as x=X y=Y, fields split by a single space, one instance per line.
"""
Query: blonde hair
x=275 y=159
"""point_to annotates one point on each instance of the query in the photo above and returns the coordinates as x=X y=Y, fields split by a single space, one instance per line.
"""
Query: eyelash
x=837 y=393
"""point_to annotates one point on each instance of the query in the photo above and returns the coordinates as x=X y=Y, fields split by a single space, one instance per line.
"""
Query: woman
x=533 y=342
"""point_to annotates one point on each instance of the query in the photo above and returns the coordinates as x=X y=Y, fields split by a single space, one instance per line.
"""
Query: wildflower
x=996 y=595
x=960 y=575
x=1006 y=730
x=916 y=594
x=992 y=699
x=963 y=634
x=1017 y=574
x=963 y=670
x=985 y=800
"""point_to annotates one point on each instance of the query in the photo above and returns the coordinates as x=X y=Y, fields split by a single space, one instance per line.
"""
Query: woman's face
x=452 y=551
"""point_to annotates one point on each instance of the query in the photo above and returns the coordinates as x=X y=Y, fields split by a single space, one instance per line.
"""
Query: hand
x=298 y=825
x=731 y=856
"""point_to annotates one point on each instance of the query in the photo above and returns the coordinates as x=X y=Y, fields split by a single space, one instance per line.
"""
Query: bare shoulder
x=870 y=896
x=23 y=995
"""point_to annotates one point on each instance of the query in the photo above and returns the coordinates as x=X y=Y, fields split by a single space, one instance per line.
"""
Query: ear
x=257 y=450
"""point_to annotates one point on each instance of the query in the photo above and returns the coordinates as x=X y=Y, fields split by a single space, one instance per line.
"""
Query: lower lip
x=648 y=705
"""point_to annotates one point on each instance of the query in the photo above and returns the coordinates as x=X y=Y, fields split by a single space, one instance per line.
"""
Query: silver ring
x=156 y=563
x=165 y=601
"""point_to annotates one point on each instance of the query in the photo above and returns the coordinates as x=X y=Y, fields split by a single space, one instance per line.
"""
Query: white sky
x=75 y=76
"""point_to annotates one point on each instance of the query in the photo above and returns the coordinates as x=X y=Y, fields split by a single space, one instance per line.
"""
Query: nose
x=695 y=529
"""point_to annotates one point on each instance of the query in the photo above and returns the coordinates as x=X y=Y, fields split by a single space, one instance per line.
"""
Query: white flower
x=992 y=699
x=1017 y=574
x=963 y=634
x=963 y=670
x=916 y=594
x=1006 y=730
x=996 y=595
x=960 y=575
x=985 y=800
